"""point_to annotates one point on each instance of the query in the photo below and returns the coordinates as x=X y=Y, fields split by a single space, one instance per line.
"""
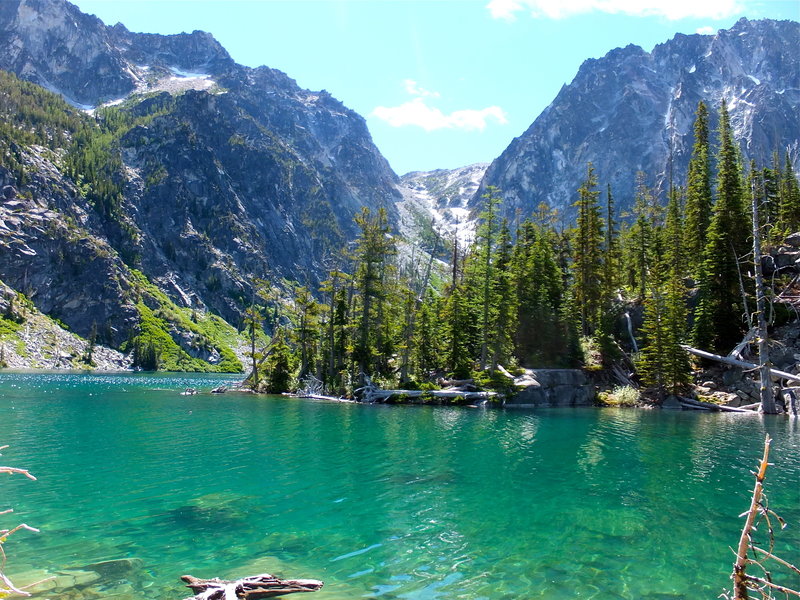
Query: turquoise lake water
x=381 y=501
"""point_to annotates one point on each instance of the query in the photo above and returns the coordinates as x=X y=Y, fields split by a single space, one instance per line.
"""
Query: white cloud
x=707 y=30
x=415 y=90
x=672 y=10
x=415 y=112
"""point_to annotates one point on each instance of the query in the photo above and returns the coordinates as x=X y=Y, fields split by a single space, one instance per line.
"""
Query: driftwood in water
x=748 y=554
x=255 y=587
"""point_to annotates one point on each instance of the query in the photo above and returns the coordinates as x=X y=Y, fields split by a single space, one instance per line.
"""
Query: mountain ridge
x=632 y=110
x=201 y=174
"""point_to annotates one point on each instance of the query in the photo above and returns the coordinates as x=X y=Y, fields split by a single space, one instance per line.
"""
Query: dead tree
x=767 y=397
x=748 y=554
x=254 y=587
x=7 y=588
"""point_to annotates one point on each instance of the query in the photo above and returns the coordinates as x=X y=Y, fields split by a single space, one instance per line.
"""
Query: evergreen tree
x=539 y=289
x=641 y=239
x=718 y=319
x=665 y=364
x=698 y=191
x=459 y=327
x=306 y=329
x=487 y=232
x=587 y=256
x=253 y=322
x=789 y=201
x=611 y=250
x=502 y=325
x=428 y=336
x=279 y=366
x=374 y=247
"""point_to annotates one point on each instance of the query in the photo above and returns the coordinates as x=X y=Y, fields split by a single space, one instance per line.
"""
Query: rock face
x=442 y=195
x=218 y=173
x=625 y=111
x=553 y=388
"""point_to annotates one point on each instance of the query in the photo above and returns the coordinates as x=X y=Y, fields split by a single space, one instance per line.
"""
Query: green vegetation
x=624 y=395
x=541 y=297
x=154 y=347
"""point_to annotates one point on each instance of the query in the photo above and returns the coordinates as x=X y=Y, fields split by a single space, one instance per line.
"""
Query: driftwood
x=7 y=588
x=248 y=588
x=455 y=382
x=776 y=374
x=746 y=341
x=701 y=405
x=748 y=554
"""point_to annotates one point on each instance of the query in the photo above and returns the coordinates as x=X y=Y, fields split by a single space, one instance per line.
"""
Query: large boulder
x=553 y=388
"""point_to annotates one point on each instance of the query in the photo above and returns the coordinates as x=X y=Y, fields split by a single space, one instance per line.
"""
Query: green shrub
x=622 y=395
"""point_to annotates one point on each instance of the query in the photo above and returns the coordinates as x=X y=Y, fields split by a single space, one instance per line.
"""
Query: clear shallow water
x=381 y=501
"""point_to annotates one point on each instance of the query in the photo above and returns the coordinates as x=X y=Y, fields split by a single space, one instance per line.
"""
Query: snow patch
x=755 y=80
x=693 y=68
x=188 y=74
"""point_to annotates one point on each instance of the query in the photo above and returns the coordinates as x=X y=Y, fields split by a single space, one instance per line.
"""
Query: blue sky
x=442 y=83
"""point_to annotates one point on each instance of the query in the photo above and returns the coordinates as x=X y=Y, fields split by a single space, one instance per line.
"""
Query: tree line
x=538 y=295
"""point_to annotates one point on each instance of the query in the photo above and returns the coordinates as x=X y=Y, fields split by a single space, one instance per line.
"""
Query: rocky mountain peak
x=52 y=43
x=631 y=110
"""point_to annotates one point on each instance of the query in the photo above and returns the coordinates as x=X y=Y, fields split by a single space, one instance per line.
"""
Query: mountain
x=439 y=199
x=631 y=110
x=185 y=175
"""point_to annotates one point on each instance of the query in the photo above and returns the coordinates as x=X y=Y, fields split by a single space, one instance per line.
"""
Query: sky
x=441 y=83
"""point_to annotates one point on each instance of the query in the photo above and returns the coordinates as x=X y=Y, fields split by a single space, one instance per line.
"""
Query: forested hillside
x=609 y=290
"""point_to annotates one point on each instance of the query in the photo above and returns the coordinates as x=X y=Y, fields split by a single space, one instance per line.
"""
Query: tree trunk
x=767 y=398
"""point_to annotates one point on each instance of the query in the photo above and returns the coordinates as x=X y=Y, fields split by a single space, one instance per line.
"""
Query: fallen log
x=455 y=382
x=255 y=587
x=739 y=363
x=684 y=404
x=710 y=405
x=467 y=395
x=750 y=407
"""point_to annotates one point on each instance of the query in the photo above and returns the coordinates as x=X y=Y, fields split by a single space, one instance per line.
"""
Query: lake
x=378 y=501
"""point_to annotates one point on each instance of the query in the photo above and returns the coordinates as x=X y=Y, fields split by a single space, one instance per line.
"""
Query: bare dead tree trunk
x=7 y=588
x=740 y=589
x=767 y=398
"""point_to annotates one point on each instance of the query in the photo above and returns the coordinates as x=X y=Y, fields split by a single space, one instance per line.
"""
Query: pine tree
x=374 y=247
x=611 y=250
x=539 y=289
x=279 y=366
x=428 y=336
x=502 y=323
x=789 y=202
x=487 y=232
x=306 y=328
x=698 y=191
x=718 y=319
x=253 y=322
x=459 y=327
x=641 y=239
x=587 y=253
x=677 y=368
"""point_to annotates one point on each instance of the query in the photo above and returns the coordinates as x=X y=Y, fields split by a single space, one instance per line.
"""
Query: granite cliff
x=195 y=173
x=632 y=110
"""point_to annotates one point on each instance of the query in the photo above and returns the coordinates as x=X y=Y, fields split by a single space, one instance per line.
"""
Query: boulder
x=552 y=388
x=793 y=240
x=9 y=192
